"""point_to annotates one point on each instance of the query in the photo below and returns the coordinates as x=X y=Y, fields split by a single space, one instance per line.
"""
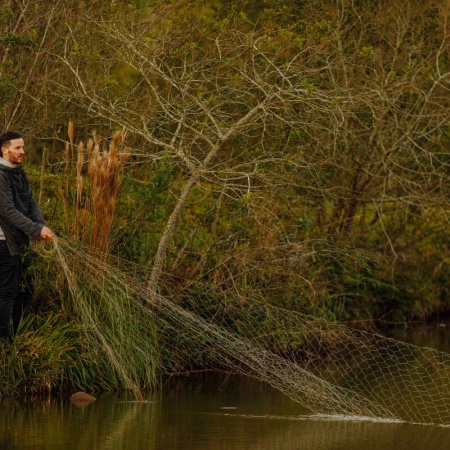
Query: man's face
x=14 y=151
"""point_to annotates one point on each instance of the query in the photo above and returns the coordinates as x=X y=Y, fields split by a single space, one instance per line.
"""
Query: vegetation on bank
x=295 y=153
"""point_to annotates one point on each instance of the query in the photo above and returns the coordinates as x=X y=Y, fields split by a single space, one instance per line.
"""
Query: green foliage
x=41 y=357
x=143 y=210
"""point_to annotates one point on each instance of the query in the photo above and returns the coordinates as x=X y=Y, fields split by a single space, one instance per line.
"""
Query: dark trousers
x=16 y=290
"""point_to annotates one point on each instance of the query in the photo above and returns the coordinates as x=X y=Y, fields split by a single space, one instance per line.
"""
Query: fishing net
x=327 y=367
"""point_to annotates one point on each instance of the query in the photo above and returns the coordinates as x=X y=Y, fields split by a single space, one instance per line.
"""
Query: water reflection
x=205 y=412
x=209 y=412
x=435 y=335
x=57 y=424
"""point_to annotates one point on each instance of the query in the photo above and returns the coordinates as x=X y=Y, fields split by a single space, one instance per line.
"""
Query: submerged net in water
x=327 y=367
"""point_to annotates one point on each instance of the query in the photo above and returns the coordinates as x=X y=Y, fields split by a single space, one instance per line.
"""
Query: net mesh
x=327 y=367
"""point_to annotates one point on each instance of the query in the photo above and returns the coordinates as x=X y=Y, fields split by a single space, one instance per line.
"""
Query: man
x=20 y=221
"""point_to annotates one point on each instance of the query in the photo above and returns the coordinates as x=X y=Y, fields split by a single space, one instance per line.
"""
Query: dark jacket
x=20 y=216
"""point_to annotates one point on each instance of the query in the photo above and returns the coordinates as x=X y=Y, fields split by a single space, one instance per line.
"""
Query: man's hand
x=46 y=233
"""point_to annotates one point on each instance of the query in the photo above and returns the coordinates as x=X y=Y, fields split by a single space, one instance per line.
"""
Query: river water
x=209 y=411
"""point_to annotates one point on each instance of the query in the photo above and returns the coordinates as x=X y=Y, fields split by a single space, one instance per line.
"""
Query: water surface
x=208 y=411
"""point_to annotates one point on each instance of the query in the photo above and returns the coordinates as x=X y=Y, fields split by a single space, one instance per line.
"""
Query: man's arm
x=37 y=217
x=35 y=212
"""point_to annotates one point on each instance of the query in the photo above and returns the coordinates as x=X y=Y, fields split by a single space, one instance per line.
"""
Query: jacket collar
x=5 y=163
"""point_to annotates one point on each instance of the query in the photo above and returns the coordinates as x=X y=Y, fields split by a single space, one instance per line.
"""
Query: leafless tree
x=341 y=115
x=198 y=97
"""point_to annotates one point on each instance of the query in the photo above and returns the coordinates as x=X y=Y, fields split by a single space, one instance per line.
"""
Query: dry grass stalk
x=94 y=201
x=69 y=146
x=105 y=175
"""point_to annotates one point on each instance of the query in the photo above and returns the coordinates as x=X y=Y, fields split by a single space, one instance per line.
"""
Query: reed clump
x=54 y=353
x=41 y=357
x=114 y=338
x=96 y=169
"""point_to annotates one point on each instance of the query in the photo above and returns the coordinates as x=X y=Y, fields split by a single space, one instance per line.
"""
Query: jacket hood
x=7 y=165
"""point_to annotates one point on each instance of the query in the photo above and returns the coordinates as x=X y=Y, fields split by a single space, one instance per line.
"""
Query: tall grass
x=120 y=349
x=41 y=357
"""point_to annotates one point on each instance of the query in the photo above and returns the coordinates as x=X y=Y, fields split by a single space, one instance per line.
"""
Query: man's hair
x=6 y=137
